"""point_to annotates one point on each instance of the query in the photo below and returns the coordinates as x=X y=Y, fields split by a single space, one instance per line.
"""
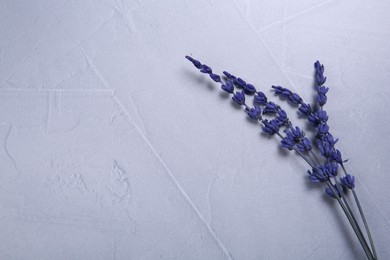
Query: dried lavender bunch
x=275 y=122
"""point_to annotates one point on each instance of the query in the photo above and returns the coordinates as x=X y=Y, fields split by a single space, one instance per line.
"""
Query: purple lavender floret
x=295 y=134
x=206 y=69
x=296 y=137
x=239 y=98
x=282 y=117
x=271 y=127
x=336 y=156
x=321 y=99
x=325 y=148
x=331 y=193
x=196 y=63
x=322 y=90
x=319 y=73
x=348 y=181
x=317 y=118
x=305 y=109
x=286 y=93
x=260 y=99
x=228 y=87
x=229 y=76
x=323 y=129
x=331 y=168
x=287 y=143
x=318 y=174
x=240 y=83
x=295 y=98
x=215 y=77
x=249 y=89
x=270 y=108
x=322 y=116
x=320 y=78
x=329 y=139
x=304 y=145
x=254 y=113
x=278 y=90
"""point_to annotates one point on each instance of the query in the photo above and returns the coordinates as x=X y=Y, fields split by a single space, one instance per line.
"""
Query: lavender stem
x=362 y=216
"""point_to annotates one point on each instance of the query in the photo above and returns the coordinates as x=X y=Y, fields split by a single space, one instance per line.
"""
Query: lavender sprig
x=295 y=139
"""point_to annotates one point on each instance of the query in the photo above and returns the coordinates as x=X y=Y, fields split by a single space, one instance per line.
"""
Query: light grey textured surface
x=114 y=147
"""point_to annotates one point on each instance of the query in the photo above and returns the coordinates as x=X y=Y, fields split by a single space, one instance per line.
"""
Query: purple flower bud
x=331 y=193
x=348 y=181
x=305 y=109
x=331 y=168
x=260 y=99
x=249 y=89
x=215 y=77
x=320 y=79
x=325 y=149
x=228 y=75
x=278 y=90
x=322 y=90
x=254 y=113
x=297 y=134
x=239 y=82
x=304 y=145
x=239 y=98
x=206 y=69
x=336 y=156
x=287 y=143
x=282 y=118
x=322 y=116
x=313 y=119
x=228 y=87
x=318 y=67
x=196 y=63
x=319 y=117
x=270 y=108
x=321 y=99
x=329 y=139
x=322 y=129
x=318 y=174
x=286 y=93
x=270 y=127
x=313 y=178
x=295 y=99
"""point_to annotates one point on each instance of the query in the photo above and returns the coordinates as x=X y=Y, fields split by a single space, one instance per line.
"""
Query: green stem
x=362 y=240
x=365 y=223
x=315 y=157
x=348 y=207
x=362 y=216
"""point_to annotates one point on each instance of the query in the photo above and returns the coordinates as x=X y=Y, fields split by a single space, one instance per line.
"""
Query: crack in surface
x=295 y=15
x=7 y=151
x=30 y=53
x=265 y=45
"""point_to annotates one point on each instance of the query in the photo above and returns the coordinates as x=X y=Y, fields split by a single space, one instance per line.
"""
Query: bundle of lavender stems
x=325 y=161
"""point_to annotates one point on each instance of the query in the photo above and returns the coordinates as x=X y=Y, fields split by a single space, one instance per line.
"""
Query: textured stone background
x=114 y=147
